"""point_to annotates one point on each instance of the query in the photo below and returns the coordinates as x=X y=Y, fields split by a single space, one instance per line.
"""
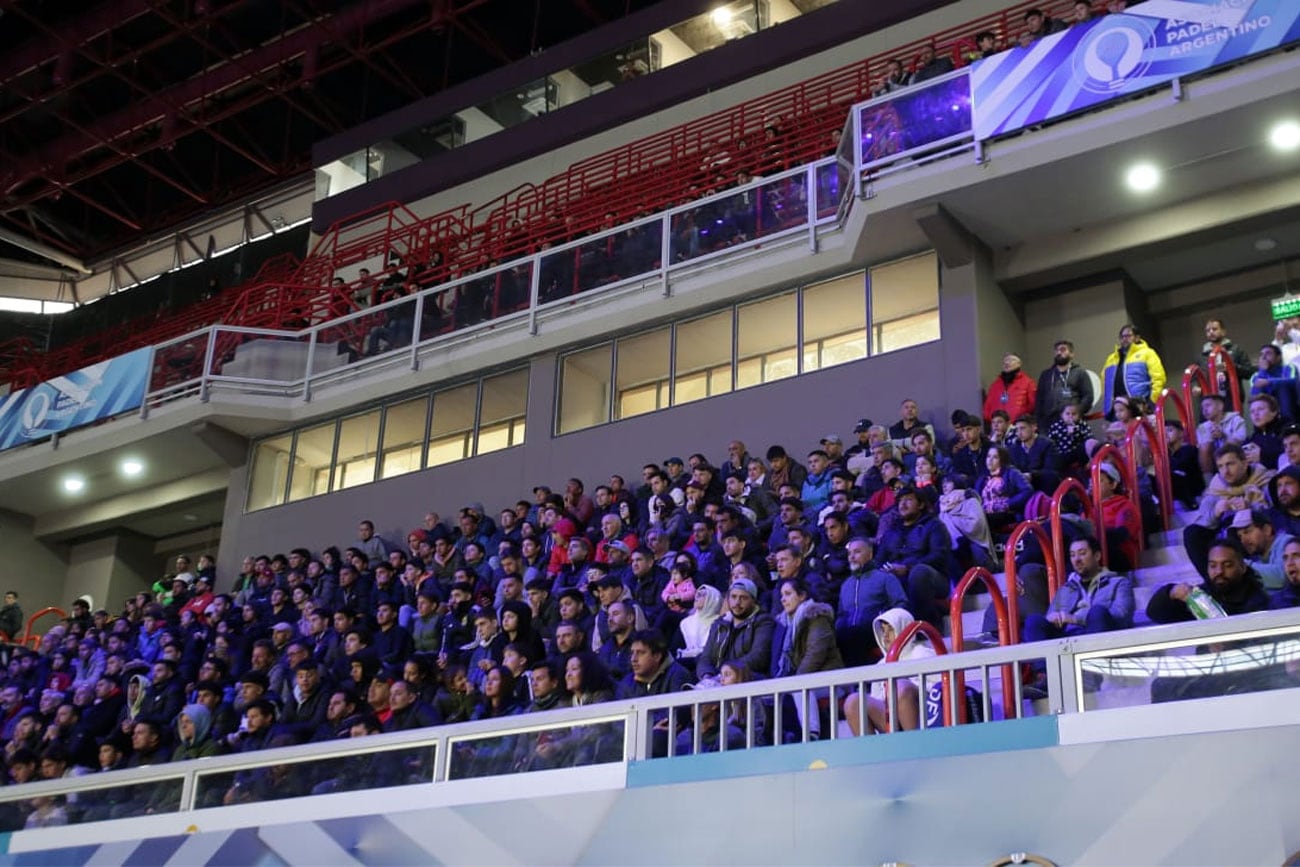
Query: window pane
x=505 y=400
x=452 y=430
x=404 y=437
x=835 y=322
x=910 y=331
x=270 y=472
x=642 y=367
x=703 y=358
x=358 y=444
x=904 y=289
x=584 y=389
x=767 y=340
x=312 y=454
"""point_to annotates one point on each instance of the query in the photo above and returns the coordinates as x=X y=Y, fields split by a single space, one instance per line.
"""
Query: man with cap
x=834 y=448
x=1285 y=514
x=1012 y=392
x=917 y=549
x=1264 y=546
x=742 y=634
x=675 y=468
x=618 y=559
x=862 y=448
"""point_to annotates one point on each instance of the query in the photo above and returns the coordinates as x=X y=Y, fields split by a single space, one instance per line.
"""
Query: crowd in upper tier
x=753 y=566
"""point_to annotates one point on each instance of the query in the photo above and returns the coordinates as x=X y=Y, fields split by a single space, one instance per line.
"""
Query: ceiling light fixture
x=1285 y=136
x=1143 y=178
x=1265 y=245
x=74 y=484
x=721 y=16
x=132 y=468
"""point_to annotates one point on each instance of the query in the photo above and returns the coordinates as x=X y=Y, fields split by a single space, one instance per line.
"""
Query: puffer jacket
x=812 y=647
x=1144 y=375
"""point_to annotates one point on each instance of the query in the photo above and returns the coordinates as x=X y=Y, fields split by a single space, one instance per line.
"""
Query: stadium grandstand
x=877 y=420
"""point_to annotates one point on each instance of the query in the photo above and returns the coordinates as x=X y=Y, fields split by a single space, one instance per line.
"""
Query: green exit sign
x=1285 y=308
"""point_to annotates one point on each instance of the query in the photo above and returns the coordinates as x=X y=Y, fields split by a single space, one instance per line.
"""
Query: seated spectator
x=743 y=633
x=804 y=642
x=1069 y=434
x=1000 y=430
x=986 y=44
x=1034 y=456
x=930 y=65
x=968 y=453
x=961 y=512
x=1289 y=594
x=1278 y=380
x=1231 y=584
x=194 y=734
x=1264 y=445
x=497 y=698
x=923 y=446
x=1122 y=522
x=1012 y=392
x=654 y=672
x=1290 y=447
x=1264 y=546
x=1081 y=12
x=1285 y=514
x=1002 y=490
x=1092 y=599
x=697 y=625
x=867 y=590
x=918 y=551
x=1236 y=486
x=1220 y=427
x=1184 y=465
x=896 y=78
x=887 y=627
x=1132 y=369
x=1038 y=25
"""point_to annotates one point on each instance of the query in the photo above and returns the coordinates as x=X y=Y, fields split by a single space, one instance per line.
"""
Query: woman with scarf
x=804 y=642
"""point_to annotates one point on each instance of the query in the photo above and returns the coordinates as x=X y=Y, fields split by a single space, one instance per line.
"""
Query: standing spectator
x=1038 y=25
x=1012 y=392
x=930 y=65
x=11 y=617
x=1062 y=384
x=1216 y=336
x=1132 y=369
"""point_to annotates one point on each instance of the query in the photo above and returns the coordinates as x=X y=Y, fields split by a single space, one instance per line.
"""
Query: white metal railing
x=647 y=728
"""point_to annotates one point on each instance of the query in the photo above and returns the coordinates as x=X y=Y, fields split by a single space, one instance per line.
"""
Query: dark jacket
x=671 y=677
x=748 y=641
x=1245 y=596
x=924 y=542
x=864 y=595
x=812 y=647
x=1051 y=397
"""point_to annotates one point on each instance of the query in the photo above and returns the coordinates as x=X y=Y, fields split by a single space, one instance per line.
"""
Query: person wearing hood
x=193 y=734
x=887 y=626
x=1236 y=485
x=1013 y=391
x=695 y=627
x=1132 y=369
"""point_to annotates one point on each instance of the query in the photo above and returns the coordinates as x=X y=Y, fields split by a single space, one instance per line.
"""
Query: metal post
x=415 y=331
x=857 y=154
x=666 y=252
x=148 y=381
x=534 y=291
x=207 y=364
x=810 y=182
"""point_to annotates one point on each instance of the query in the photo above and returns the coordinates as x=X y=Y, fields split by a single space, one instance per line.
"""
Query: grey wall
x=1090 y=316
x=31 y=567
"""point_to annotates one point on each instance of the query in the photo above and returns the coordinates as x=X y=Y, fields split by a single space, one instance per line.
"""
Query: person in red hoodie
x=1122 y=522
x=202 y=598
x=1012 y=391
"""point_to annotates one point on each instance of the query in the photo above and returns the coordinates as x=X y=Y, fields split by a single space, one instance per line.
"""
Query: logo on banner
x=1112 y=55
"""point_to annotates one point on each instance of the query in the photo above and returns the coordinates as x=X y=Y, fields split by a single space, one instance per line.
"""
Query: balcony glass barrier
x=179 y=362
x=101 y=801
x=377 y=768
x=252 y=356
x=540 y=748
x=739 y=217
x=915 y=120
x=612 y=257
x=1226 y=664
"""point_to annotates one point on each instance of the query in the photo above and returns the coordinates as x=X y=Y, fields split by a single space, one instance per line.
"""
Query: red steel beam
x=276 y=53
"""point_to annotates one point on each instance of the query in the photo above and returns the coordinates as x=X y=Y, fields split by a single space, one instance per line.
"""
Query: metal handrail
x=1054 y=576
x=1219 y=355
x=1068 y=486
x=1160 y=457
x=32 y=640
x=1009 y=697
x=935 y=637
x=1184 y=412
x=1194 y=376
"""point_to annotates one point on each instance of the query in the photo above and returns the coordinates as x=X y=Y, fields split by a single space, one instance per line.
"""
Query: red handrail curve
x=1111 y=452
x=1193 y=375
x=1184 y=412
x=30 y=640
x=940 y=649
x=1067 y=486
x=1009 y=566
x=1160 y=457
x=1229 y=374
x=999 y=602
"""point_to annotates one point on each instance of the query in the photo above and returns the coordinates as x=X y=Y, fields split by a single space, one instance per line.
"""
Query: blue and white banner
x=1116 y=55
x=74 y=399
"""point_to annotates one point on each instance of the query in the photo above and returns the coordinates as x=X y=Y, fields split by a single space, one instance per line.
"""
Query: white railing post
x=311 y=364
x=534 y=291
x=207 y=364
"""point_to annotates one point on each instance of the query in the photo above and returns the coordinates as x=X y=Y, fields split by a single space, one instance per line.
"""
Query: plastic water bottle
x=1203 y=606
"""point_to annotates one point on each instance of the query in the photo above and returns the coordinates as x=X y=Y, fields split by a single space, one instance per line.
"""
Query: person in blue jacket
x=917 y=550
x=866 y=592
x=1132 y=369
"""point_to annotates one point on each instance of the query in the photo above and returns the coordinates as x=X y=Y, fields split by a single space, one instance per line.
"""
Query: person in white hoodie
x=887 y=627
x=695 y=626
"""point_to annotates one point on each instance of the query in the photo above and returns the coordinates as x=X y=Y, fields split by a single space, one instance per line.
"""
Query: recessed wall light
x=721 y=16
x=132 y=467
x=1143 y=177
x=74 y=484
x=1285 y=136
x=1264 y=245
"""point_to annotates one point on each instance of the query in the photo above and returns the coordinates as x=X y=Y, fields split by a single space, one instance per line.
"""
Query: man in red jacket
x=1012 y=391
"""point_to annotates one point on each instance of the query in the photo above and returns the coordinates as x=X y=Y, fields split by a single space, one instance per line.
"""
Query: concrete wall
x=31 y=567
x=1090 y=316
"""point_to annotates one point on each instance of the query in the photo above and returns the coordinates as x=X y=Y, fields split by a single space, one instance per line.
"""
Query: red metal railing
x=1111 y=453
x=940 y=649
x=1005 y=632
x=30 y=639
x=1219 y=356
x=1184 y=413
x=1055 y=578
x=1160 y=459
x=1194 y=377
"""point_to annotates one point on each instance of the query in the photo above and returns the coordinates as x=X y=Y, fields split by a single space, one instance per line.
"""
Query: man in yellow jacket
x=1133 y=369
